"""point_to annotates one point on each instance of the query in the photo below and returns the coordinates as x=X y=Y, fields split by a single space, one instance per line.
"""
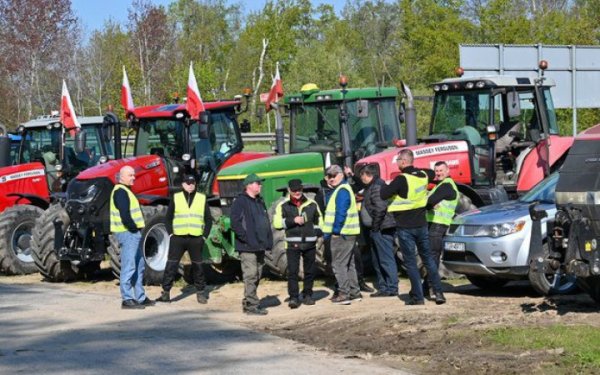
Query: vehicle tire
x=552 y=283
x=155 y=246
x=464 y=204
x=591 y=285
x=276 y=259
x=16 y=231
x=487 y=283
x=42 y=244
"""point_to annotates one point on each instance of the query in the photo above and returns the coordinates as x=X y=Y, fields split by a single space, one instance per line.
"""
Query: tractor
x=498 y=134
x=75 y=233
x=44 y=159
x=574 y=232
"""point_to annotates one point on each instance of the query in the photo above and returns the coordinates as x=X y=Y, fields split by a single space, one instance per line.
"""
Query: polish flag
x=67 y=113
x=276 y=91
x=126 y=97
x=194 y=104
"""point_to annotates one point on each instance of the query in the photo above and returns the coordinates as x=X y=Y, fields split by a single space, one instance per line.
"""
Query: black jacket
x=299 y=237
x=189 y=197
x=377 y=207
x=251 y=225
x=411 y=218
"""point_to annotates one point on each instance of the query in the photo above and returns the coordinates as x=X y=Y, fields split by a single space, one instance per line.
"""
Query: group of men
x=402 y=209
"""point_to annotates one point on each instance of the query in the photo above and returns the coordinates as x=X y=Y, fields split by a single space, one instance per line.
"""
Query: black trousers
x=177 y=246
x=293 y=267
x=436 y=235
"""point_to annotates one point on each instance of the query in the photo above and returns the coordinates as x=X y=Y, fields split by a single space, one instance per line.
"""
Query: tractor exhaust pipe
x=410 y=116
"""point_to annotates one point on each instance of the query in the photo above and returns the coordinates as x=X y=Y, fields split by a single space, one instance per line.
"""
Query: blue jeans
x=132 y=266
x=384 y=261
x=419 y=237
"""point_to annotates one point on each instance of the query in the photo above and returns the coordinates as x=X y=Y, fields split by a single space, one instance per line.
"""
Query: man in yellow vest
x=188 y=223
x=126 y=222
x=408 y=197
x=441 y=206
x=341 y=227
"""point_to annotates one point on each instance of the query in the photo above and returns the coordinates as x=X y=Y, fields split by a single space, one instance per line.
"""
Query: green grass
x=258 y=146
x=581 y=344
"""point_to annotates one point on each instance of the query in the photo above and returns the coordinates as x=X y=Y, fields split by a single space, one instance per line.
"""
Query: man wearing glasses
x=252 y=228
x=300 y=217
x=188 y=223
x=341 y=228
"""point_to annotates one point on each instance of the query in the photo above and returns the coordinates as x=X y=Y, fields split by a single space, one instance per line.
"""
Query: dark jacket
x=251 y=225
x=189 y=197
x=411 y=218
x=443 y=192
x=377 y=207
x=304 y=236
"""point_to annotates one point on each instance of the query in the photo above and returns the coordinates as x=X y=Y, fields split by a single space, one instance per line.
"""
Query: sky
x=93 y=13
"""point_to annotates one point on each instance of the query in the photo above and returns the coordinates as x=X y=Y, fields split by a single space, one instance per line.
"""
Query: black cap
x=189 y=179
x=295 y=184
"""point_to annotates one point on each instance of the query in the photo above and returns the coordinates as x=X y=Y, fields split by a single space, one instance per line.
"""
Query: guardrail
x=262 y=137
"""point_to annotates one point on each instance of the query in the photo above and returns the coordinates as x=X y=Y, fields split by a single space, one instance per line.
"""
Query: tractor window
x=163 y=137
x=316 y=127
x=223 y=138
x=90 y=155
x=462 y=116
x=552 y=123
x=40 y=144
x=367 y=124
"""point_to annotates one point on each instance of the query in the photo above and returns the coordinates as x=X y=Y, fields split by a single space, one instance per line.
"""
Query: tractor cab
x=345 y=124
x=64 y=155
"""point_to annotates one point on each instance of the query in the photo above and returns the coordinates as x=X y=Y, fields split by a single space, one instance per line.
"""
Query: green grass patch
x=259 y=146
x=580 y=345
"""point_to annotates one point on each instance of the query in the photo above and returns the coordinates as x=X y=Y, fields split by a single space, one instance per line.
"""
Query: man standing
x=188 y=222
x=250 y=223
x=408 y=194
x=126 y=222
x=300 y=217
x=441 y=206
x=341 y=229
x=382 y=229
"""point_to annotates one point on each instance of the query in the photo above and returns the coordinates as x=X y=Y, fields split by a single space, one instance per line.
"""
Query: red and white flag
x=67 y=113
x=126 y=97
x=276 y=91
x=194 y=104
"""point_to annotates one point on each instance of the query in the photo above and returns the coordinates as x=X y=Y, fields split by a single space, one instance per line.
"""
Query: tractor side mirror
x=80 y=141
x=362 y=108
x=514 y=105
x=245 y=126
x=204 y=125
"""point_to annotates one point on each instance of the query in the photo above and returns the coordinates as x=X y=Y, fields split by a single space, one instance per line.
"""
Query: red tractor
x=76 y=233
x=44 y=160
x=498 y=134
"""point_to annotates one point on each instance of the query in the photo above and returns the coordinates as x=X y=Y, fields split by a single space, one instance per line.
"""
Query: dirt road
x=423 y=339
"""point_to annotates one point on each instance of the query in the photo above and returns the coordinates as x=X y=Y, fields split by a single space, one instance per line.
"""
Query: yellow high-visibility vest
x=116 y=224
x=416 y=197
x=351 y=225
x=189 y=220
x=444 y=211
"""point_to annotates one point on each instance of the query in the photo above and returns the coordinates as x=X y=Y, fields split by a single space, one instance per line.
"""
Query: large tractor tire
x=16 y=230
x=591 y=285
x=552 y=283
x=44 y=255
x=155 y=246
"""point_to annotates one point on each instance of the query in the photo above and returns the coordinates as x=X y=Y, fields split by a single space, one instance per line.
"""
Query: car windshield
x=542 y=192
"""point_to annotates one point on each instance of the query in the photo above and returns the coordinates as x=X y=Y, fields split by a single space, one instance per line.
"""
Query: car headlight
x=497 y=230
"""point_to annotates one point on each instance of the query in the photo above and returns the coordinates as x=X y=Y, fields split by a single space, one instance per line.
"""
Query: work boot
x=255 y=311
x=439 y=298
x=201 y=298
x=165 y=296
x=364 y=287
x=308 y=300
x=294 y=303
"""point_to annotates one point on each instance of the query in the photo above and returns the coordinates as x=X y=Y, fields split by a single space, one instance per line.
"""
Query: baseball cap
x=189 y=179
x=252 y=177
x=295 y=184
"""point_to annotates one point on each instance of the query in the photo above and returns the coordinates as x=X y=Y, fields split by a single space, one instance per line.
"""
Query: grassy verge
x=576 y=348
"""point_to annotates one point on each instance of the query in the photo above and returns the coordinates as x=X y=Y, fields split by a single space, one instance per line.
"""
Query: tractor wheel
x=155 y=246
x=44 y=255
x=487 y=283
x=591 y=285
x=16 y=230
x=276 y=259
x=556 y=282
x=464 y=204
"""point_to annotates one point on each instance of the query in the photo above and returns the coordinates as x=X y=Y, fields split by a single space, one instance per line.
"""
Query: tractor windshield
x=159 y=136
x=316 y=127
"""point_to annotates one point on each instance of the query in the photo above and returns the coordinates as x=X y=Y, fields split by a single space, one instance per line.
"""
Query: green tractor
x=338 y=126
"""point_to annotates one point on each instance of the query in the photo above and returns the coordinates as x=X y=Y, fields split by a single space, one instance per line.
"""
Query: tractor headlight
x=87 y=195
